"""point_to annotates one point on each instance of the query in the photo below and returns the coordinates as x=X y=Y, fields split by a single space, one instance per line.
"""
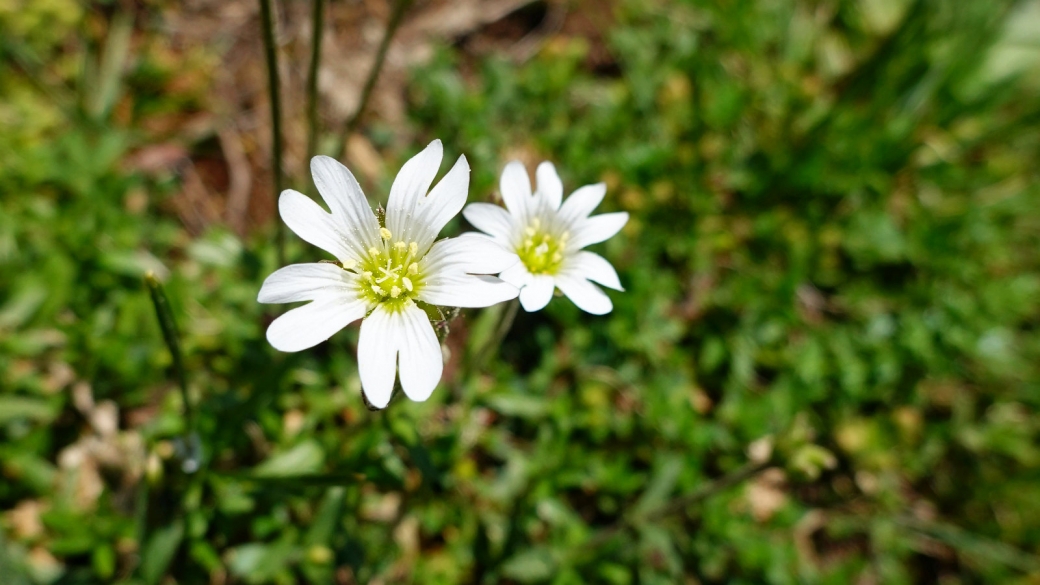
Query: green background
x=832 y=272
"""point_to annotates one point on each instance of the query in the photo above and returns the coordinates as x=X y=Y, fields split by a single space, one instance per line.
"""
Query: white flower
x=385 y=274
x=548 y=238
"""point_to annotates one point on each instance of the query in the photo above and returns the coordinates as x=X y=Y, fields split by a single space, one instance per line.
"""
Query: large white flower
x=384 y=274
x=547 y=234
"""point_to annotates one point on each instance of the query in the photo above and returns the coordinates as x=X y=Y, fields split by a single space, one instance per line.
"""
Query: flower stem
x=192 y=450
x=489 y=350
x=273 y=87
x=171 y=337
x=317 y=26
x=396 y=16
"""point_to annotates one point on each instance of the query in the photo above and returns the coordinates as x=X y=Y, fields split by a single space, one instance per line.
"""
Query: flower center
x=541 y=251
x=389 y=273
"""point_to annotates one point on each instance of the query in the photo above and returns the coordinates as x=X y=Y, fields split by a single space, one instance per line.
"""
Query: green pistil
x=540 y=251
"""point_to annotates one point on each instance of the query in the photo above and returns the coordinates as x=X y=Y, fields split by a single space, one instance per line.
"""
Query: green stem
x=396 y=16
x=973 y=544
x=735 y=477
x=172 y=339
x=317 y=26
x=677 y=505
x=273 y=87
x=508 y=316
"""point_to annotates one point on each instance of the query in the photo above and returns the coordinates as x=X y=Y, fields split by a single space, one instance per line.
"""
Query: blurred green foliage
x=833 y=257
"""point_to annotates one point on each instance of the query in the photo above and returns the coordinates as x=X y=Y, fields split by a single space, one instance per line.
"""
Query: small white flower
x=548 y=238
x=384 y=274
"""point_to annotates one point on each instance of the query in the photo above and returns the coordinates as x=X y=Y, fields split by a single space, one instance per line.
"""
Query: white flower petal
x=435 y=210
x=307 y=326
x=410 y=187
x=341 y=192
x=306 y=282
x=421 y=360
x=516 y=275
x=377 y=356
x=537 y=293
x=490 y=219
x=550 y=187
x=516 y=191
x=596 y=229
x=467 y=291
x=587 y=296
x=582 y=202
x=471 y=253
x=314 y=226
x=593 y=267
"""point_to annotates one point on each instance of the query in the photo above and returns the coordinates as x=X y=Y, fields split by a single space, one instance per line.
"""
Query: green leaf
x=666 y=474
x=23 y=305
x=258 y=562
x=329 y=515
x=529 y=566
x=519 y=405
x=159 y=552
x=305 y=458
x=104 y=559
x=23 y=407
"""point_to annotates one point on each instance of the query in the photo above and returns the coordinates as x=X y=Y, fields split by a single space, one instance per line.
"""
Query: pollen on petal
x=385 y=233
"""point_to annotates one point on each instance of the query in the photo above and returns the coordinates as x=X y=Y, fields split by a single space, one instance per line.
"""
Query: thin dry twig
x=396 y=16
x=529 y=45
x=240 y=178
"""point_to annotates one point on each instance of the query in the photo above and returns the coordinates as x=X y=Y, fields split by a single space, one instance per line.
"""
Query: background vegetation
x=825 y=368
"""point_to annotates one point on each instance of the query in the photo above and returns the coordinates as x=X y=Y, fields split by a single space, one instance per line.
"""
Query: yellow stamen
x=407 y=283
x=385 y=233
x=540 y=250
x=378 y=290
x=349 y=263
x=395 y=291
x=413 y=268
x=413 y=248
x=400 y=245
x=373 y=251
x=366 y=275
